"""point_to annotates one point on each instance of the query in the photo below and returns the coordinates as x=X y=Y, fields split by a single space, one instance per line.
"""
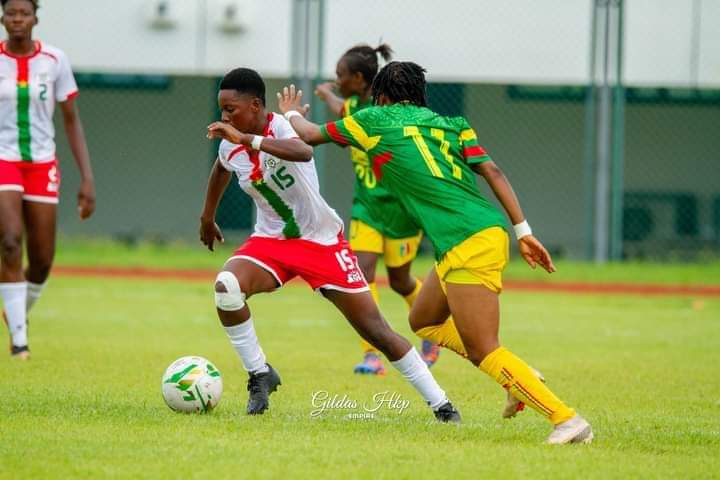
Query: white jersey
x=286 y=194
x=29 y=88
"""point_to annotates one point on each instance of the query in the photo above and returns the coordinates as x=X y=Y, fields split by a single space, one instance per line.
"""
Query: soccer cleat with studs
x=575 y=430
x=430 y=352
x=21 y=353
x=260 y=386
x=447 y=413
x=371 y=365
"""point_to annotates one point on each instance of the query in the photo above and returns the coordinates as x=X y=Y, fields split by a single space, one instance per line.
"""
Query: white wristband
x=256 y=141
x=522 y=230
x=292 y=113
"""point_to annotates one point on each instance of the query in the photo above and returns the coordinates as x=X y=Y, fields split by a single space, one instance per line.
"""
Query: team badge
x=270 y=163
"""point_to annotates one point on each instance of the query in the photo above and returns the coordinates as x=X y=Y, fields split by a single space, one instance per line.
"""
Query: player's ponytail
x=364 y=59
x=384 y=51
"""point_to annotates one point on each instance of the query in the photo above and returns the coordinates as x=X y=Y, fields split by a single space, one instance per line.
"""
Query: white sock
x=13 y=295
x=245 y=342
x=34 y=290
x=417 y=373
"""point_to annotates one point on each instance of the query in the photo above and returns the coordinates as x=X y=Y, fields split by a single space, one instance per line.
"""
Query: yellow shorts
x=396 y=251
x=479 y=260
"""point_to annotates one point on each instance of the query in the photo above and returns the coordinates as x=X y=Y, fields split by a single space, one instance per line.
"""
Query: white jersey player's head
x=242 y=100
x=19 y=18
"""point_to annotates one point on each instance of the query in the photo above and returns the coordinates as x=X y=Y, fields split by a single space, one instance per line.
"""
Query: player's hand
x=535 y=254
x=209 y=232
x=86 y=198
x=290 y=99
x=324 y=90
x=225 y=131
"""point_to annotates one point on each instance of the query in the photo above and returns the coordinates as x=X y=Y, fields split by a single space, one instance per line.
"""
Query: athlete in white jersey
x=297 y=234
x=287 y=196
x=33 y=78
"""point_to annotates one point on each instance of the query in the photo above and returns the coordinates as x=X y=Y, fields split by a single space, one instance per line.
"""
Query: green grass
x=88 y=405
x=75 y=252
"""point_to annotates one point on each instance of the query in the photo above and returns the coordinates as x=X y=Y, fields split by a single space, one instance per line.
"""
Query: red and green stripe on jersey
x=23 y=100
x=291 y=229
x=23 y=107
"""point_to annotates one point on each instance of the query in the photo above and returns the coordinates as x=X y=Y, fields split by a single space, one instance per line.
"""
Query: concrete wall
x=523 y=41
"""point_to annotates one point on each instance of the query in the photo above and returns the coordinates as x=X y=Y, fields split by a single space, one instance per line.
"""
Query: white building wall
x=527 y=41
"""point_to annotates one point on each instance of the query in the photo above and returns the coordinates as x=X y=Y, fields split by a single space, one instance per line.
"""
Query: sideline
x=595 y=288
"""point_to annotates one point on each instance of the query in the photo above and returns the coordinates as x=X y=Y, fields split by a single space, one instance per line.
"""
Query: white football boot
x=575 y=430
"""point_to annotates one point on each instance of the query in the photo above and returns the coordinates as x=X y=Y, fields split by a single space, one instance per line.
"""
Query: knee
x=398 y=284
x=11 y=246
x=477 y=353
x=414 y=320
x=228 y=294
x=39 y=271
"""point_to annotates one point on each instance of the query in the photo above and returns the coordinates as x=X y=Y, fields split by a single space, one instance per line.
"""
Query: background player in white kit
x=296 y=234
x=33 y=76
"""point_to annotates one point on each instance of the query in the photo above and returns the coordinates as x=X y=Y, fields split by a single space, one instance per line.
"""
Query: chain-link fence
x=146 y=133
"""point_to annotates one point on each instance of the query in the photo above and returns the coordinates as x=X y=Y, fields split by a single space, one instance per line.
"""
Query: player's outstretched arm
x=217 y=183
x=289 y=149
x=530 y=247
x=76 y=139
x=290 y=100
x=326 y=93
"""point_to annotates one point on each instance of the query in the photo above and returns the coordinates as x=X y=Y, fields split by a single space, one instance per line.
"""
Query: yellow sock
x=445 y=335
x=516 y=377
x=366 y=346
x=410 y=297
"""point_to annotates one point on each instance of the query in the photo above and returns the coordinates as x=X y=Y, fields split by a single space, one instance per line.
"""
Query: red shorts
x=332 y=267
x=38 y=182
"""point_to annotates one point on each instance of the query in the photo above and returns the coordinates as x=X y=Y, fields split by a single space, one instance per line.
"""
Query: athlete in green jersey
x=427 y=162
x=379 y=224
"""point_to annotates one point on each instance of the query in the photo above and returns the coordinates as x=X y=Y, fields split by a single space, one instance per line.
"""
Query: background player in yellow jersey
x=379 y=224
x=427 y=161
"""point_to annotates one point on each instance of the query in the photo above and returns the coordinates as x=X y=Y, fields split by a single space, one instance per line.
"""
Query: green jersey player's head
x=242 y=100
x=19 y=17
x=400 y=82
x=357 y=67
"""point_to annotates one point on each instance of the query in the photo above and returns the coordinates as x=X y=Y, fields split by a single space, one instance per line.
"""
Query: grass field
x=88 y=405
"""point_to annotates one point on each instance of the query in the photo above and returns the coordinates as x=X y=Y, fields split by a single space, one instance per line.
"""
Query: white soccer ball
x=192 y=384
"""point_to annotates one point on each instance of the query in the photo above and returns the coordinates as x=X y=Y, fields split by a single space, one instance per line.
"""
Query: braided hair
x=401 y=82
x=364 y=59
x=33 y=2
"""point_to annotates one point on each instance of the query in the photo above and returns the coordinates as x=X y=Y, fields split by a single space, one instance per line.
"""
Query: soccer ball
x=192 y=384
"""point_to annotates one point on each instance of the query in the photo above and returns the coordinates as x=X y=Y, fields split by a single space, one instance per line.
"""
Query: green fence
x=146 y=136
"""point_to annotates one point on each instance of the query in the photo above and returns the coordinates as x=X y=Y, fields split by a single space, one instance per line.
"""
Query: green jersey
x=373 y=204
x=425 y=160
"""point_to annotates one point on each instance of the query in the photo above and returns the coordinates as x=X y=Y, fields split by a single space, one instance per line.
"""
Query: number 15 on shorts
x=346 y=261
x=348 y=264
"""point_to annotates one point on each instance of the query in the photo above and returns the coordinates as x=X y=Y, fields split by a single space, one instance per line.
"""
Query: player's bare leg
x=239 y=280
x=476 y=311
x=407 y=286
x=40 y=227
x=371 y=363
x=362 y=313
x=12 y=284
